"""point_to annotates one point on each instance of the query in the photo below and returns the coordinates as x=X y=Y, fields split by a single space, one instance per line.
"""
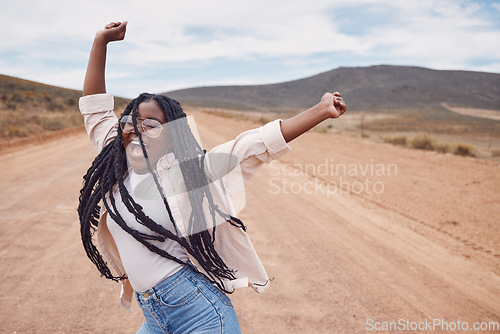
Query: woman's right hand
x=114 y=31
x=95 y=80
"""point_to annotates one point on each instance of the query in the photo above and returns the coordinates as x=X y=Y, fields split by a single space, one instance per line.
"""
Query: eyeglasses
x=152 y=128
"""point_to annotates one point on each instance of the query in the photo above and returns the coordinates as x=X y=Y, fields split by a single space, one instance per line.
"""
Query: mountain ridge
x=379 y=87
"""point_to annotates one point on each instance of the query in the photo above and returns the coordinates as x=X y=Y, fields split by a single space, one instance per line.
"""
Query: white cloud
x=261 y=30
x=50 y=40
x=440 y=34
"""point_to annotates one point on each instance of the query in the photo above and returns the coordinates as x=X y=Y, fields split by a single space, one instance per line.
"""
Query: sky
x=178 y=44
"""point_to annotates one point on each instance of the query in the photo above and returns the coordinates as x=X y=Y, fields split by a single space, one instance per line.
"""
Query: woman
x=162 y=205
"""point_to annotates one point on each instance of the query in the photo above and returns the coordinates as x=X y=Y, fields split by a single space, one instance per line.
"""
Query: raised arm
x=95 y=82
x=330 y=106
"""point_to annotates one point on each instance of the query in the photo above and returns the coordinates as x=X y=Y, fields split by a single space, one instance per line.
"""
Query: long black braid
x=106 y=176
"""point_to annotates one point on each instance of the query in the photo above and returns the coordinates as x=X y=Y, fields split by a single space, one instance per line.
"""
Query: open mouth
x=134 y=147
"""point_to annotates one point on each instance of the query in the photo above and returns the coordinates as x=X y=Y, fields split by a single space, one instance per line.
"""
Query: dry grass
x=465 y=150
x=30 y=109
x=495 y=153
x=441 y=147
x=400 y=140
x=423 y=141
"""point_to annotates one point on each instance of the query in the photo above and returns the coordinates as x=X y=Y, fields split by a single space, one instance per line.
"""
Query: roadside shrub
x=71 y=102
x=52 y=124
x=464 y=150
x=55 y=105
x=441 y=147
x=16 y=131
x=396 y=140
x=422 y=141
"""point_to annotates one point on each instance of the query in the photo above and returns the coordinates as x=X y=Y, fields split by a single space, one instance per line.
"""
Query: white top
x=252 y=149
x=144 y=268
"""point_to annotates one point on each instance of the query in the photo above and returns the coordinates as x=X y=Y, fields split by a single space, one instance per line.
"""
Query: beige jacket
x=252 y=149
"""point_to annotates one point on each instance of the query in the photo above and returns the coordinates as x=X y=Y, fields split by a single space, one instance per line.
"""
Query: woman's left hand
x=335 y=104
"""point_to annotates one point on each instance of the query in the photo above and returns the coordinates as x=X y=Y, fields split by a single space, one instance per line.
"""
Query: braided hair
x=106 y=176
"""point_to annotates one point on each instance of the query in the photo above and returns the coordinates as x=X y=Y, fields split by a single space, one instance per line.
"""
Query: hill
x=416 y=99
x=365 y=88
x=28 y=108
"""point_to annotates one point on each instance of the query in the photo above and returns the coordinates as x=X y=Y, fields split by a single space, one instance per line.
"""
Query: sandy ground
x=355 y=234
x=476 y=112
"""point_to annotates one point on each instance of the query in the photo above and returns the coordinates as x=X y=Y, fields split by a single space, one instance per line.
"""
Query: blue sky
x=179 y=44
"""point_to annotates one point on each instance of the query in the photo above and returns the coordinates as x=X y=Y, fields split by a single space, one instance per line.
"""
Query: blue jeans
x=186 y=302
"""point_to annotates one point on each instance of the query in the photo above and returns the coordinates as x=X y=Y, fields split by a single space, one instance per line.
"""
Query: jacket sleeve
x=100 y=121
x=250 y=150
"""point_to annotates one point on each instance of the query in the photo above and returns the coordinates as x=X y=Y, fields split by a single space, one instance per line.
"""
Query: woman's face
x=155 y=147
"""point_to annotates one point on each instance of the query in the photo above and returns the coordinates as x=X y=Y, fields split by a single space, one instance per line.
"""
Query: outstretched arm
x=330 y=106
x=95 y=82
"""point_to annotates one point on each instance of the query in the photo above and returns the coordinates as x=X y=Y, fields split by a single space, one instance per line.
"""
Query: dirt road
x=355 y=234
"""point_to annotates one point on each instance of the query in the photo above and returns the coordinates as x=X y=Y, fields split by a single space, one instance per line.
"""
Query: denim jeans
x=186 y=302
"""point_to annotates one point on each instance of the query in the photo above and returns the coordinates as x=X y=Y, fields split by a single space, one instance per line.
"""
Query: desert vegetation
x=423 y=141
x=495 y=153
x=31 y=109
